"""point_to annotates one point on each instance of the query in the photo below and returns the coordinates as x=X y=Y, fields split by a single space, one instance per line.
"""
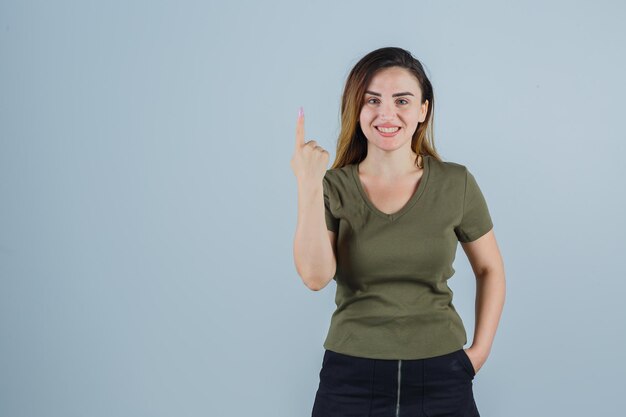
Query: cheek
x=367 y=115
x=411 y=116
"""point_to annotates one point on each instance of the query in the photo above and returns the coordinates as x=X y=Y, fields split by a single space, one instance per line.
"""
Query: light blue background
x=148 y=207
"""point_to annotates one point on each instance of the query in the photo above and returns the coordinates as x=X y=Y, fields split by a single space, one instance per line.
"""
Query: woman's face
x=392 y=99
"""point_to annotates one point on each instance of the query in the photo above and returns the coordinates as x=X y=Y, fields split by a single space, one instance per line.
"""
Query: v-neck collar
x=414 y=198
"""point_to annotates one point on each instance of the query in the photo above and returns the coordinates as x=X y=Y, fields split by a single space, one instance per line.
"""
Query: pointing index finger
x=300 y=128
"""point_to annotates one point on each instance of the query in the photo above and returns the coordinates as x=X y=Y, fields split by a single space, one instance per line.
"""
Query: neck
x=389 y=165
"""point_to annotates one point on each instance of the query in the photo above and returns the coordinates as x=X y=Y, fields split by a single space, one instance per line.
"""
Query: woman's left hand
x=477 y=356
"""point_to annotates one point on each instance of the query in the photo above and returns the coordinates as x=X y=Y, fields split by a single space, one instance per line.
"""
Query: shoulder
x=447 y=170
x=338 y=178
x=447 y=166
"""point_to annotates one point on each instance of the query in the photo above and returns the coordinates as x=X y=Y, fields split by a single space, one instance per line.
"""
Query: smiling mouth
x=387 y=129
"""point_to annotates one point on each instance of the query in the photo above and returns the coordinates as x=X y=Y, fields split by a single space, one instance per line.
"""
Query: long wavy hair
x=352 y=143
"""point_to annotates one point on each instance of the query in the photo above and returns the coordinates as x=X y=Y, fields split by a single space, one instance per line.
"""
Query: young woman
x=384 y=223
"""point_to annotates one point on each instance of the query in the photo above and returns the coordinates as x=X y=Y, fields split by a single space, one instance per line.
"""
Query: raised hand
x=309 y=161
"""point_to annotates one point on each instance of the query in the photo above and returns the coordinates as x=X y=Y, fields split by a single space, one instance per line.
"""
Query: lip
x=386 y=125
x=388 y=135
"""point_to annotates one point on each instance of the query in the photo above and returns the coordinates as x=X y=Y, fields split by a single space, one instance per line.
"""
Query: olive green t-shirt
x=392 y=297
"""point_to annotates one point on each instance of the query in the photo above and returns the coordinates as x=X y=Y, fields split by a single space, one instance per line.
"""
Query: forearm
x=313 y=253
x=490 y=296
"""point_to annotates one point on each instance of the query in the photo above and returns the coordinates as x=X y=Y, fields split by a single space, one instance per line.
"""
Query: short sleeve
x=332 y=223
x=476 y=220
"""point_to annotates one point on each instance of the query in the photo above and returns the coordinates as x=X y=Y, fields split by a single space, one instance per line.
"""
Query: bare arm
x=314 y=244
x=486 y=261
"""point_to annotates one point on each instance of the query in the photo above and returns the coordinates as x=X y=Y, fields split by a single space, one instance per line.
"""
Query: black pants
x=352 y=386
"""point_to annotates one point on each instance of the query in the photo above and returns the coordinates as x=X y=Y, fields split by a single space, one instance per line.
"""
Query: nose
x=387 y=112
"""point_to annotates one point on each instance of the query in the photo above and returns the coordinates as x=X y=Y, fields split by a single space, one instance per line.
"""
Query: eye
x=376 y=100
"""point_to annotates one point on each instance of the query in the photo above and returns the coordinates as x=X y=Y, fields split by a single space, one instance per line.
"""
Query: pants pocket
x=467 y=362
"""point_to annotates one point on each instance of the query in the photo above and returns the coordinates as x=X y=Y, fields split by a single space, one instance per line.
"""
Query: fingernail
x=300 y=112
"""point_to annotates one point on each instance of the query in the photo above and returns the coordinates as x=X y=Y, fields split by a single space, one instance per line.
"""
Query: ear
x=423 y=111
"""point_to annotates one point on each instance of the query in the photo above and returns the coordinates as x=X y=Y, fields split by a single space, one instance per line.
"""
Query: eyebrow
x=406 y=93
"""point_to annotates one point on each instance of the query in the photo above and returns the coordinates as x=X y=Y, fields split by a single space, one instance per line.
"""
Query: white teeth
x=388 y=129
